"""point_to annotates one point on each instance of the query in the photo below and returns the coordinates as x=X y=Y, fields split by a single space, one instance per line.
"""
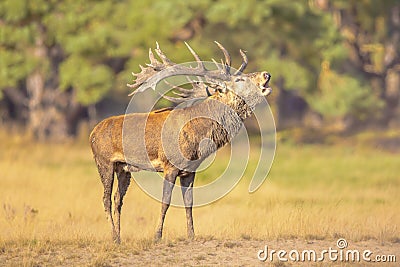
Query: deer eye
x=239 y=79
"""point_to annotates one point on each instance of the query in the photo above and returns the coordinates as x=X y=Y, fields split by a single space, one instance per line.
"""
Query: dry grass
x=50 y=197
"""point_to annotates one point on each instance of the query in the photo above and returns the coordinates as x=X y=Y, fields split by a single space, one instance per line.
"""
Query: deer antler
x=184 y=94
x=156 y=71
x=245 y=61
x=227 y=57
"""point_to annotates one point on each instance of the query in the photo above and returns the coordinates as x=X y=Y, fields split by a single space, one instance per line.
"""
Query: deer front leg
x=169 y=183
x=187 y=194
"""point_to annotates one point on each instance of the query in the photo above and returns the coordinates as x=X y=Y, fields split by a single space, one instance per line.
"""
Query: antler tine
x=216 y=64
x=175 y=100
x=180 y=89
x=181 y=94
x=133 y=85
x=192 y=81
x=199 y=62
x=163 y=57
x=153 y=60
x=227 y=57
x=245 y=61
x=189 y=80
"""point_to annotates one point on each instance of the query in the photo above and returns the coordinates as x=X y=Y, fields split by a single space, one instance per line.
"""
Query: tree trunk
x=48 y=107
x=392 y=96
x=35 y=88
x=392 y=61
x=291 y=107
x=47 y=116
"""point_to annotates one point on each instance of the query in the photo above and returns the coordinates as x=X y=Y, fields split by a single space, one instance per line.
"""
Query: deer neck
x=226 y=116
x=239 y=105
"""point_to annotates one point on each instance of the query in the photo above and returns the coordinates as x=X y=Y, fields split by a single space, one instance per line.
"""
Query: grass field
x=51 y=200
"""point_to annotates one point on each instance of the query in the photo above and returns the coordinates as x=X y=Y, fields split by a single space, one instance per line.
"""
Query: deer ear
x=222 y=89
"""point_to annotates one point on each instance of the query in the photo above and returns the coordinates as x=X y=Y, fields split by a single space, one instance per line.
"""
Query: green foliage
x=341 y=95
x=13 y=10
x=14 y=67
x=90 y=82
x=79 y=28
x=296 y=77
x=329 y=43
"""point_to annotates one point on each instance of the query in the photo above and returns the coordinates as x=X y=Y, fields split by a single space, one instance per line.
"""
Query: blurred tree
x=59 y=58
x=49 y=67
x=350 y=101
x=371 y=34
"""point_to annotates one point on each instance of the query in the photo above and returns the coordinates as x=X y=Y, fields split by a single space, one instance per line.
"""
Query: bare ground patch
x=200 y=252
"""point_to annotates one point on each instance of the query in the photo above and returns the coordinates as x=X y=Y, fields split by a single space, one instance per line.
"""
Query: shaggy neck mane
x=218 y=118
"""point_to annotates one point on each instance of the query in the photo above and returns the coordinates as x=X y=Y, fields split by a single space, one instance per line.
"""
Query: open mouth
x=266 y=90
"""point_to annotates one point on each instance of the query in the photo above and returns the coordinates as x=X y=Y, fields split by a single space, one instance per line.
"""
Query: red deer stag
x=217 y=118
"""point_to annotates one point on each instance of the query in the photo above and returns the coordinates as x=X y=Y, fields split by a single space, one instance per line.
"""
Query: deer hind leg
x=106 y=171
x=169 y=183
x=187 y=194
x=124 y=178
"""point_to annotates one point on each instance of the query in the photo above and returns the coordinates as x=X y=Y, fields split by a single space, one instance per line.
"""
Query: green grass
x=51 y=194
